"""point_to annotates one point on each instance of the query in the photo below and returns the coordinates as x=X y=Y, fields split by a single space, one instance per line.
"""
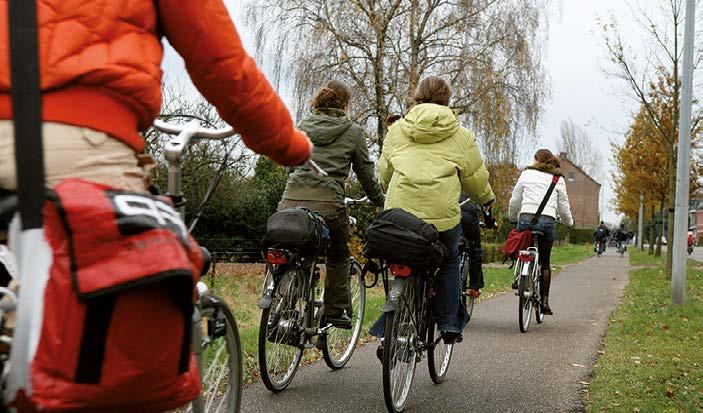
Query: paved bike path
x=495 y=369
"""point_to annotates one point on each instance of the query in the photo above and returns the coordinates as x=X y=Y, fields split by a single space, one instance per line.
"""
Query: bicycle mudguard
x=393 y=296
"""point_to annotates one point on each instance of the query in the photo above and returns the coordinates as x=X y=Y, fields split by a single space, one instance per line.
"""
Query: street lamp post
x=678 y=271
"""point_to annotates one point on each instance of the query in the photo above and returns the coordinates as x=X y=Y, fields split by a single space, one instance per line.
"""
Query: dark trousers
x=336 y=298
x=471 y=229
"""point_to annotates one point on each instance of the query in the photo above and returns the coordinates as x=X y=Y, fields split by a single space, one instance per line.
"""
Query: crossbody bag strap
x=535 y=218
x=26 y=110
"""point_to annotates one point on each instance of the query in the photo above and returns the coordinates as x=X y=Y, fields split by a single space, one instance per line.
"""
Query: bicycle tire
x=285 y=300
x=539 y=315
x=524 y=302
x=466 y=299
x=222 y=353
x=438 y=355
x=400 y=352
x=339 y=344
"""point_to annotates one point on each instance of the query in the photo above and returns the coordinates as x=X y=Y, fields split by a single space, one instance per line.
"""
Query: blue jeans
x=544 y=224
x=450 y=315
x=548 y=226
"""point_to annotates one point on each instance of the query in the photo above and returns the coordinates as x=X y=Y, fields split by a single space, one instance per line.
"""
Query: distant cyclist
x=621 y=236
x=600 y=235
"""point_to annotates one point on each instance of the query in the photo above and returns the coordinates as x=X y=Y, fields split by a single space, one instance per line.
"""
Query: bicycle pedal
x=217 y=327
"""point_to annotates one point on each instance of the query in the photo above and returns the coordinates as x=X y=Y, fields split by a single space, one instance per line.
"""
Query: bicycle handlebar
x=351 y=201
x=176 y=146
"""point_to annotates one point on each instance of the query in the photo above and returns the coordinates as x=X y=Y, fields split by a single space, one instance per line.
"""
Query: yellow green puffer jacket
x=427 y=161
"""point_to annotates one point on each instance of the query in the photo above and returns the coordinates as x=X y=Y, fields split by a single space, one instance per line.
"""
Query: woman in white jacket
x=530 y=190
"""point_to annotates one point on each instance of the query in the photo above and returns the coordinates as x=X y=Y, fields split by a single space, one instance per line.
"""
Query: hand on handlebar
x=488 y=218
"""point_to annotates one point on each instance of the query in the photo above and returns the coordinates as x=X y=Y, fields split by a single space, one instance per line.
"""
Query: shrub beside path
x=495 y=369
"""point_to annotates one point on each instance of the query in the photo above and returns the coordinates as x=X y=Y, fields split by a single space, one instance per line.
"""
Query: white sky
x=573 y=58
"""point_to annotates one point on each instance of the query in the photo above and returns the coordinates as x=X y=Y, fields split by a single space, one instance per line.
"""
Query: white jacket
x=529 y=192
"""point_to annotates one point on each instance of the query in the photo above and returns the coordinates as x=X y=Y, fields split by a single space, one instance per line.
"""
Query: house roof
x=563 y=158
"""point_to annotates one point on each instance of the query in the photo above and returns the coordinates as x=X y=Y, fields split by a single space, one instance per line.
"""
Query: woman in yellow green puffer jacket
x=428 y=161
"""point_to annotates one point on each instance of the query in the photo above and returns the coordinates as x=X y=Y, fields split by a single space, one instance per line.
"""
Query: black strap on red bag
x=535 y=218
x=26 y=110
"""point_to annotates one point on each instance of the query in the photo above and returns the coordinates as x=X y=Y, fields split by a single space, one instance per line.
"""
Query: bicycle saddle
x=537 y=234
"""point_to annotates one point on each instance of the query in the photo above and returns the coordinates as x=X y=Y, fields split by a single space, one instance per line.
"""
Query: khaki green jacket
x=340 y=145
x=428 y=161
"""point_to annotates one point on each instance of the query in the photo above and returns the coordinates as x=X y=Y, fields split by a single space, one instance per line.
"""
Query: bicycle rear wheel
x=220 y=360
x=438 y=355
x=280 y=334
x=340 y=343
x=524 y=288
x=399 y=355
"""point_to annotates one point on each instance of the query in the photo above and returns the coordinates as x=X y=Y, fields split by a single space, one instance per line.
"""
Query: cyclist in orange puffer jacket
x=101 y=85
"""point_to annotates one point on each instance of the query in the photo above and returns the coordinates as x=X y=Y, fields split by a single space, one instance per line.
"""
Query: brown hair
x=334 y=94
x=546 y=157
x=432 y=89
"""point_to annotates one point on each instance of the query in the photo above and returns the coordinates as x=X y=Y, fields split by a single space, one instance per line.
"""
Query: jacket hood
x=324 y=126
x=429 y=123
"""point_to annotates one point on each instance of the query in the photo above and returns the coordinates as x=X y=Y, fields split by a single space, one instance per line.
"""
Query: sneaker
x=514 y=285
x=451 y=337
x=474 y=293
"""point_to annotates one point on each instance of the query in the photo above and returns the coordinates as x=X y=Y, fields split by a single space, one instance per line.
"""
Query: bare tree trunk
x=658 y=252
x=652 y=231
x=381 y=109
x=672 y=160
x=413 y=72
x=670 y=224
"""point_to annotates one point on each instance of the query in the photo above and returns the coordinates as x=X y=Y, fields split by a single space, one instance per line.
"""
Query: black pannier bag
x=298 y=229
x=399 y=237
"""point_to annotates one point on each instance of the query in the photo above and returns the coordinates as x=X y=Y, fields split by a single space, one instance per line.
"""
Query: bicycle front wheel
x=280 y=334
x=525 y=289
x=438 y=354
x=466 y=299
x=400 y=352
x=220 y=359
x=340 y=343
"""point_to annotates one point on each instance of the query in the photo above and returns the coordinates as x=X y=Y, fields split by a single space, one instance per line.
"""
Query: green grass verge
x=652 y=360
x=240 y=286
x=643 y=259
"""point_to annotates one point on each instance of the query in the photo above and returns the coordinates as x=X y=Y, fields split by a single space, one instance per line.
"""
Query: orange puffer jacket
x=100 y=68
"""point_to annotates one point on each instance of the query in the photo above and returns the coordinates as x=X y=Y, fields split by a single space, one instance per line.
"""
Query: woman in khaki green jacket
x=428 y=161
x=340 y=145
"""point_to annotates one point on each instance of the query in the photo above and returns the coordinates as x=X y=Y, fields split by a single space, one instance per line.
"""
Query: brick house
x=584 y=194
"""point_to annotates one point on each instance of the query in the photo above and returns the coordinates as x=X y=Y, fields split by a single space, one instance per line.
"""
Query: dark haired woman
x=428 y=161
x=340 y=144
x=530 y=190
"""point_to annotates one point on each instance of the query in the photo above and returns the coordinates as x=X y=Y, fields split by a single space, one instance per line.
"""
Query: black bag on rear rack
x=298 y=229
x=399 y=237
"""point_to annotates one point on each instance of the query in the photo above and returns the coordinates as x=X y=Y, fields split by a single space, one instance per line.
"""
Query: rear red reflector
x=526 y=257
x=400 y=270
x=276 y=257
